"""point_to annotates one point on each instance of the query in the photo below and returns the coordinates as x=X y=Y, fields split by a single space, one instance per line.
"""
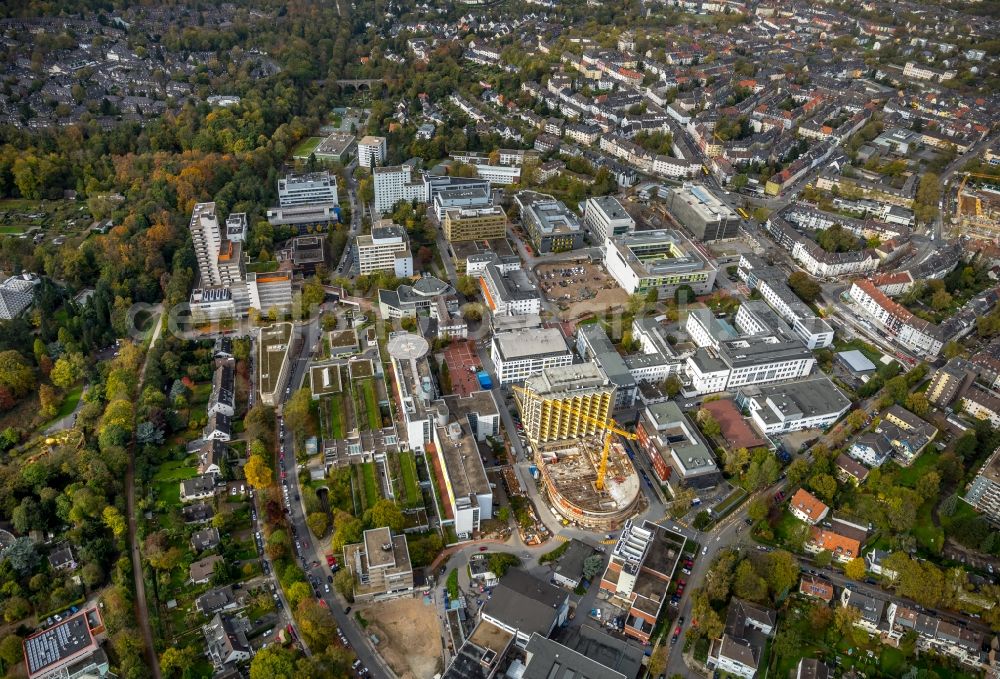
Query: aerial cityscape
x=500 y=339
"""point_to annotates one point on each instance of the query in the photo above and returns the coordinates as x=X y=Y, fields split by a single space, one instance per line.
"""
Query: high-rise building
x=380 y=564
x=984 y=491
x=566 y=402
x=702 y=213
x=387 y=248
x=220 y=260
x=313 y=188
x=395 y=184
x=549 y=223
x=519 y=354
x=371 y=151
x=464 y=224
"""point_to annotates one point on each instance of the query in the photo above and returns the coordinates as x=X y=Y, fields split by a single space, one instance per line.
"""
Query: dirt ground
x=409 y=636
x=579 y=288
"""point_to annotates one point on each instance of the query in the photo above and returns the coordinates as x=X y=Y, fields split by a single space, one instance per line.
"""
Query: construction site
x=569 y=472
x=979 y=211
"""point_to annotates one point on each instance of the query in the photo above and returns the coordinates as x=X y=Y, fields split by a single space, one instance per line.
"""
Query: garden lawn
x=786 y=527
x=371 y=483
x=167 y=480
x=929 y=535
x=69 y=402
x=408 y=472
x=367 y=389
x=306 y=147
x=926 y=462
x=336 y=420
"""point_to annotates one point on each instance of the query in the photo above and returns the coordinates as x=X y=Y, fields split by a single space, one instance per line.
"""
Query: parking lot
x=579 y=289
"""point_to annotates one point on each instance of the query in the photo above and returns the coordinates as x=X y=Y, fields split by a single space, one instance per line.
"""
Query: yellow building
x=556 y=399
x=474 y=224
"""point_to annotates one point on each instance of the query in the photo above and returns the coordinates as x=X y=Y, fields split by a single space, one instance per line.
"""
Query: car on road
x=704 y=551
x=347 y=610
x=680 y=622
x=483 y=549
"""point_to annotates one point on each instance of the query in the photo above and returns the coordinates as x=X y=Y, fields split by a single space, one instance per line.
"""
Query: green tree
x=318 y=523
x=468 y=286
x=823 y=558
x=759 y=509
x=747 y=584
x=855 y=568
x=782 y=571
x=385 y=513
x=11 y=652
x=273 y=662
x=67 y=371
x=177 y=662
x=804 y=286
x=15 y=373
x=297 y=411
x=825 y=486
x=672 y=386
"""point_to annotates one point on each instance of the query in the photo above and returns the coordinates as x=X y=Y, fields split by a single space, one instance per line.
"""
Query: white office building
x=387 y=248
x=510 y=293
x=812 y=403
x=395 y=184
x=769 y=282
x=605 y=217
x=371 y=151
x=314 y=188
x=519 y=354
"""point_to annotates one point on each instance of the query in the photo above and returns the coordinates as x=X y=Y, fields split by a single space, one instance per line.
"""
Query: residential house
x=842 y=547
x=873 y=449
x=201 y=571
x=739 y=650
x=810 y=668
x=807 y=507
x=938 y=636
x=205 y=539
x=199 y=488
x=219 y=427
x=61 y=559
x=873 y=562
x=816 y=588
x=211 y=455
x=569 y=570
x=226 y=640
x=197 y=513
x=850 y=471
x=217 y=599
x=223 y=396
x=870 y=609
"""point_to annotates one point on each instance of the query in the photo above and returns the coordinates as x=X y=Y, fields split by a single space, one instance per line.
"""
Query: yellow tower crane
x=609 y=426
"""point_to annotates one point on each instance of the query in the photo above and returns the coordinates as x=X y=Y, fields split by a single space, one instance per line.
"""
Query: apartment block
x=676 y=451
x=220 y=260
x=769 y=282
x=371 y=151
x=273 y=347
x=381 y=566
x=911 y=332
x=984 y=491
x=394 y=184
x=642 y=563
x=566 y=402
x=387 y=248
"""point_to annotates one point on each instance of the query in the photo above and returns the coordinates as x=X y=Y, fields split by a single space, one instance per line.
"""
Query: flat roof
x=273 y=344
x=530 y=343
x=462 y=461
x=567 y=380
x=378 y=547
x=661 y=252
x=816 y=395
x=856 y=361
x=60 y=643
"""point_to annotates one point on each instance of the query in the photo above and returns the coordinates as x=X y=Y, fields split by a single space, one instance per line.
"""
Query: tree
x=747 y=584
x=298 y=592
x=928 y=485
x=855 y=568
x=759 y=509
x=313 y=294
x=797 y=471
x=11 y=652
x=709 y=426
x=736 y=461
x=22 y=556
x=318 y=523
x=684 y=295
x=472 y=311
x=823 y=558
x=15 y=373
x=672 y=386
x=343 y=581
x=782 y=571
x=316 y=623
x=804 y=286
x=856 y=419
x=176 y=662
x=114 y=520
x=346 y=530
x=467 y=285
x=297 y=411
x=709 y=624
x=273 y=662
x=385 y=513
x=67 y=371
x=16 y=608
x=825 y=486
x=258 y=472
x=917 y=403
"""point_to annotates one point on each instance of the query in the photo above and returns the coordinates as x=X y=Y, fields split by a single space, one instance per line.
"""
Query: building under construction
x=566 y=402
x=979 y=211
x=566 y=413
x=569 y=471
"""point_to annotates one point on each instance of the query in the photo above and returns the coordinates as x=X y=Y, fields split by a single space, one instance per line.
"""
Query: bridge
x=359 y=83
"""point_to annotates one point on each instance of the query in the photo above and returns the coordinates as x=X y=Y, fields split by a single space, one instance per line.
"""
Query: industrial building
x=483 y=223
x=550 y=225
x=387 y=248
x=605 y=217
x=566 y=402
x=699 y=211
x=519 y=354
x=662 y=260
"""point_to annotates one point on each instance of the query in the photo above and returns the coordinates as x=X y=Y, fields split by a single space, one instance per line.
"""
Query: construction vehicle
x=609 y=427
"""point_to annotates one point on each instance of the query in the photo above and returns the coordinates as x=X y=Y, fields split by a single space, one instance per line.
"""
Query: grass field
x=370 y=483
x=927 y=462
x=11 y=230
x=69 y=403
x=408 y=473
x=366 y=388
x=336 y=416
x=168 y=477
x=306 y=147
